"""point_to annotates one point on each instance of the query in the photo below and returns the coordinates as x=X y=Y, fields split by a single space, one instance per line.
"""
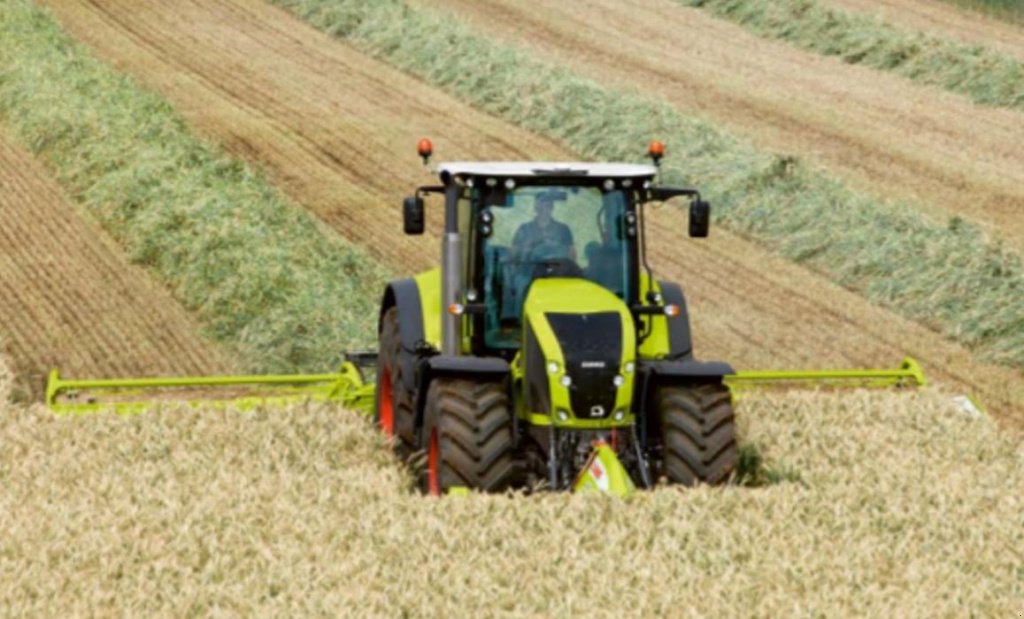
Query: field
x=993 y=30
x=882 y=134
x=71 y=299
x=898 y=503
x=205 y=186
x=277 y=117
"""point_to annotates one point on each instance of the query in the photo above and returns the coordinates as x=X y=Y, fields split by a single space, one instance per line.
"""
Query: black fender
x=438 y=366
x=680 y=343
x=654 y=374
x=405 y=294
x=686 y=371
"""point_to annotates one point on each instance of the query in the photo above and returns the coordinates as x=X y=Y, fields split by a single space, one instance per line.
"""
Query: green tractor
x=543 y=353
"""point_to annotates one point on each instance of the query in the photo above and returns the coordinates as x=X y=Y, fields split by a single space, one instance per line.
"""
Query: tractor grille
x=592 y=347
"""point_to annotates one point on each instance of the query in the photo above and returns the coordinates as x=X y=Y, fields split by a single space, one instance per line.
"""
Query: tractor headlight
x=563 y=415
x=619 y=415
x=618 y=381
x=553 y=367
x=565 y=380
x=629 y=367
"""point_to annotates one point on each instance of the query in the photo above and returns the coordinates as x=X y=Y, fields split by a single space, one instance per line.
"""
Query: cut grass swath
x=983 y=74
x=261 y=274
x=946 y=276
x=1010 y=9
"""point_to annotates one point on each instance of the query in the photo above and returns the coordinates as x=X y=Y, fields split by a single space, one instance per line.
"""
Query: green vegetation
x=1012 y=9
x=982 y=74
x=261 y=274
x=944 y=276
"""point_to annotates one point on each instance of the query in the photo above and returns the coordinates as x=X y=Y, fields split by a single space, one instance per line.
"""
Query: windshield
x=549 y=232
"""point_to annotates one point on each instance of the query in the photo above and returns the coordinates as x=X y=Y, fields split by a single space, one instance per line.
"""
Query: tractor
x=542 y=352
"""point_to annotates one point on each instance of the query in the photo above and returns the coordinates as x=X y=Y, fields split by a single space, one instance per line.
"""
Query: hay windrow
x=948 y=277
x=261 y=274
x=983 y=74
x=1012 y=10
x=905 y=507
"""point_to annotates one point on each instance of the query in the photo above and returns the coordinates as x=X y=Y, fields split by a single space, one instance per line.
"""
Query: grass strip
x=1013 y=10
x=984 y=75
x=945 y=276
x=261 y=274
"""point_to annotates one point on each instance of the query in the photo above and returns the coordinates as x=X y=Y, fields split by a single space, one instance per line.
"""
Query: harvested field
x=940 y=17
x=326 y=121
x=901 y=506
x=888 y=137
x=71 y=299
x=261 y=275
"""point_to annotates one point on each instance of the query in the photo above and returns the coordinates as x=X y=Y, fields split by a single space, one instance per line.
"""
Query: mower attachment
x=909 y=374
x=134 y=395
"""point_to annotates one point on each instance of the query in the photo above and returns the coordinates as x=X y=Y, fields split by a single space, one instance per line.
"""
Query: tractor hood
x=579 y=347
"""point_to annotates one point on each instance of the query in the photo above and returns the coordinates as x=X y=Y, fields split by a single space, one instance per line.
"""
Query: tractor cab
x=516 y=222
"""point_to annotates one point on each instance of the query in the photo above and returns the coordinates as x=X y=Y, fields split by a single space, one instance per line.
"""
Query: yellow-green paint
x=429 y=285
x=575 y=296
x=657 y=344
x=604 y=472
x=345 y=387
x=909 y=373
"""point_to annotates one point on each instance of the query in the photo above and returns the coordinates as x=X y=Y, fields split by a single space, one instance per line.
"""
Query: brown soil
x=71 y=300
x=337 y=130
x=881 y=132
x=944 y=19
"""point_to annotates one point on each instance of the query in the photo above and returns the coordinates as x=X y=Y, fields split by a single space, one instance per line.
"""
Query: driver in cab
x=543 y=238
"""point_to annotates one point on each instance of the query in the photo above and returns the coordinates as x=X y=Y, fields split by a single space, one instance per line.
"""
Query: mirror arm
x=661 y=194
x=422 y=191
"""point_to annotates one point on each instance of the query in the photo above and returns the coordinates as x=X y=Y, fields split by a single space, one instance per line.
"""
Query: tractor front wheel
x=698 y=433
x=467 y=436
x=393 y=399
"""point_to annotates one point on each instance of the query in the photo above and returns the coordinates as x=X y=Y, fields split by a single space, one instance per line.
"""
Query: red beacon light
x=656 y=151
x=425 y=149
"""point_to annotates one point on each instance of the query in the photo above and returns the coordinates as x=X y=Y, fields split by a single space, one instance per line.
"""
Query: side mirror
x=700 y=218
x=412 y=215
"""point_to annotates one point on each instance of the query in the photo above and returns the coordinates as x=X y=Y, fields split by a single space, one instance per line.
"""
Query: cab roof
x=545 y=169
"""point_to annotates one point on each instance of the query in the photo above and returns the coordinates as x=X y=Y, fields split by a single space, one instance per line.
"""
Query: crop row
x=262 y=276
x=984 y=75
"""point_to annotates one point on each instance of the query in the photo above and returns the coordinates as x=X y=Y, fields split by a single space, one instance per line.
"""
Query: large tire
x=468 y=437
x=392 y=399
x=698 y=433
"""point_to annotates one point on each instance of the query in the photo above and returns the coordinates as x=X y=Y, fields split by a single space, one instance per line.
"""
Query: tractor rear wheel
x=468 y=437
x=392 y=398
x=698 y=433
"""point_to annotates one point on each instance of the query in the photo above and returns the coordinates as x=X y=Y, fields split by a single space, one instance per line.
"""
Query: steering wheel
x=556 y=267
x=543 y=252
x=552 y=260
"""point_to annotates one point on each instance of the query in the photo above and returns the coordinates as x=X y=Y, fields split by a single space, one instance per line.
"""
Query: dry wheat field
x=892 y=504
